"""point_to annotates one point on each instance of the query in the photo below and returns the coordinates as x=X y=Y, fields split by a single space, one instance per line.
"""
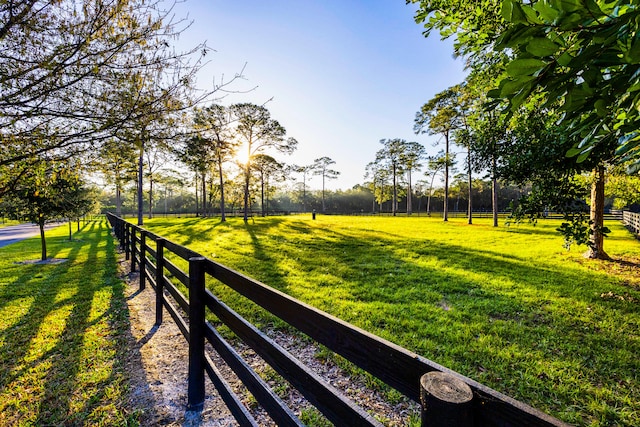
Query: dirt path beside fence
x=157 y=365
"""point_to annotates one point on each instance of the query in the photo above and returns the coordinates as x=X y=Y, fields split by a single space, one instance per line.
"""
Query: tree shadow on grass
x=44 y=284
x=78 y=385
x=474 y=307
x=500 y=319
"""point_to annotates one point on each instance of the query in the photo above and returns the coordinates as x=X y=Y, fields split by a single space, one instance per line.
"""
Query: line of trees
x=551 y=96
x=286 y=197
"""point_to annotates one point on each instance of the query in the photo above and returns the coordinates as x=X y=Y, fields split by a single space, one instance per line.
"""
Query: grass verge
x=508 y=307
x=63 y=332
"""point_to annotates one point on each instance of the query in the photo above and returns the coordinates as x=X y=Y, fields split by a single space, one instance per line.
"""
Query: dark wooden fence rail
x=403 y=370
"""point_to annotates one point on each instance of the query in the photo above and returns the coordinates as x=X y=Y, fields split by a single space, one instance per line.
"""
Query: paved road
x=15 y=233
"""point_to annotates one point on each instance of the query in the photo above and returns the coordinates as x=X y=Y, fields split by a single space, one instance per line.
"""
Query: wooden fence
x=632 y=221
x=414 y=376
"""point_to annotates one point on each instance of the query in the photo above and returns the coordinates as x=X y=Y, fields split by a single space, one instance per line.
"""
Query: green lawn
x=62 y=332
x=508 y=307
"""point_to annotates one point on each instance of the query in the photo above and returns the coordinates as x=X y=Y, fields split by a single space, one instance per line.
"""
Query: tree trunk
x=596 y=245
x=118 y=200
x=323 y=206
x=247 y=173
x=445 y=213
x=262 y=207
x=140 y=203
x=70 y=230
x=43 y=241
x=304 y=194
x=266 y=197
x=223 y=216
x=494 y=190
x=494 y=200
x=204 y=194
x=150 y=198
x=197 y=204
x=373 y=206
x=395 y=193
x=469 y=178
x=409 y=191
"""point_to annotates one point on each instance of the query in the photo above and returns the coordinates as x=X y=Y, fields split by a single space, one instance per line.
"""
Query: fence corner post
x=159 y=279
x=196 y=392
x=143 y=254
x=445 y=400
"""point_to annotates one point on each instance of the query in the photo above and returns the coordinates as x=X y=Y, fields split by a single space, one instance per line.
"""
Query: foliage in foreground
x=507 y=307
x=62 y=332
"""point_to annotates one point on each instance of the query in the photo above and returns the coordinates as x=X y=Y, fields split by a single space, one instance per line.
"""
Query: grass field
x=62 y=332
x=508 y=307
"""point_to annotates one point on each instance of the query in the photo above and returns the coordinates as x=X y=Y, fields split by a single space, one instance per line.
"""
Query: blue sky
x=343 y=74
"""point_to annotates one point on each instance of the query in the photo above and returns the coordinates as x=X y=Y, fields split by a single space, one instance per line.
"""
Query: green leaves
x=541 y=47
x=525 y=67
x=517 y=13
x=512 y=12
x=584 y=55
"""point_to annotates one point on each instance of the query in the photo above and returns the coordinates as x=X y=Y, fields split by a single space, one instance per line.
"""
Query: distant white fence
x=632 y=220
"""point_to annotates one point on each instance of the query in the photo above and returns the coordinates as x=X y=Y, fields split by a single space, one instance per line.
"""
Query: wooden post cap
x=446 y=400
x=446 y=387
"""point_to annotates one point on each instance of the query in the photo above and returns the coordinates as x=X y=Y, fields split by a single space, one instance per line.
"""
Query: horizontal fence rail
x=407 y=372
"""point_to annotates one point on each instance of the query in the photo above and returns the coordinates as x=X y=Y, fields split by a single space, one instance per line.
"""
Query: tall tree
x=156 y=159
x=435 y=165
x=117 y=162
x=392 y=156
x=440 y=116
x=213 y=124
x=305 y=171
x=321 y=167
x=258 y=132
x=266 y=167
x=195 y=152
x=412 y=159
x=487 y=134
x=379 y=175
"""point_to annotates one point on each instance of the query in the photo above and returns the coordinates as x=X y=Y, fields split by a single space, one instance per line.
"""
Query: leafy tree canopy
x=585 y=56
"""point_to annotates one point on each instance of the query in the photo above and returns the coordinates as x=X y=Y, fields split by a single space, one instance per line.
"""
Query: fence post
x=117 y=229
x=143 y=263
x=159 y=279
x=446 y=401
x=133 y=248
x=125 y=239
x=196 y=334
